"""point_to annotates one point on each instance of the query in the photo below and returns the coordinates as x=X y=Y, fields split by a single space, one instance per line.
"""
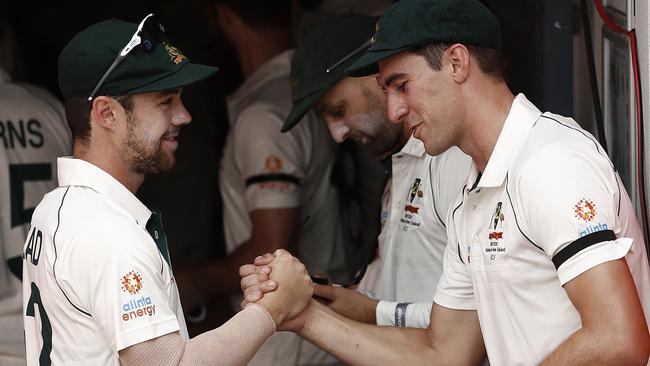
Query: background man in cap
x=413 y=237
x=98 y=287
x=543 y=240
x=276 y=188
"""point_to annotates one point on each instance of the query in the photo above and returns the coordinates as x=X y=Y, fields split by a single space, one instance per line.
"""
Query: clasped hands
x=280 y=283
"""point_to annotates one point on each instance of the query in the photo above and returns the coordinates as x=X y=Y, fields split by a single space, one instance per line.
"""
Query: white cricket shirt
x=94 y=280
x=414 y=208
x=547 y=208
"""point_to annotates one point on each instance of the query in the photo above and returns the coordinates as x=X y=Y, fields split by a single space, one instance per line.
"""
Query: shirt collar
x=521 y=118
x=277 y=67
x=413 y=147
x=77 y=172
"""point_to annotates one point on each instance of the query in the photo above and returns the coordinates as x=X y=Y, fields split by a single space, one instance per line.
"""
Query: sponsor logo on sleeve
x=136 y=307
x=132 y=282
x=585 y=210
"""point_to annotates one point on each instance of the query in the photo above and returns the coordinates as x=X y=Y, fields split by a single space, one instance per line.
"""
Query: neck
x=256 y=47
x=488 y=104
x=109 y=161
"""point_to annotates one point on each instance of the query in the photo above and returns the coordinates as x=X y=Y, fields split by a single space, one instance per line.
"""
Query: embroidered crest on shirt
x=131 y=282
x=413 y=204
x=495 y=234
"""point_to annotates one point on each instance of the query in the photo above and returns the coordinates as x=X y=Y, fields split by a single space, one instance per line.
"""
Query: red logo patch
x=131 y=282
x=273 y=164
x=495 y=235
x=411 y=209
x=585 y=209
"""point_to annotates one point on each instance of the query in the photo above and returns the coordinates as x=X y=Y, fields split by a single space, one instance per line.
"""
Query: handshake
x=280 y=283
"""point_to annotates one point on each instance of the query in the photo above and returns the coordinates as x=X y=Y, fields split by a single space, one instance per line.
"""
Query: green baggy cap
x=410 y=24
x=321 y=57
x=158 y=66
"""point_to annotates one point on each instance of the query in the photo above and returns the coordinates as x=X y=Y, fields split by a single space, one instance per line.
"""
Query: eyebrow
x=165 y=93
x=391 y=78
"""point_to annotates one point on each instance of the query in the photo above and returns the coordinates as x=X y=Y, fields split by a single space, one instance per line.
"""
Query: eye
x=337 y=112
x=401 y=87
x=166 y=102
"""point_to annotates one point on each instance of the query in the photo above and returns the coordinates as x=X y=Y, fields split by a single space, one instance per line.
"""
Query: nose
x=338 y=130
x=397 y=108
x=181 y=115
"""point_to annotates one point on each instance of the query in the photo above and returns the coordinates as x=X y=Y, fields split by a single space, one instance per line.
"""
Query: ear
x=458 y=58
x=105 y=112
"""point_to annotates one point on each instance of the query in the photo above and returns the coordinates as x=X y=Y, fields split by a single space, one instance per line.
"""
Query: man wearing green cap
x=97 y=282
x=542 y=242
x=421 y=187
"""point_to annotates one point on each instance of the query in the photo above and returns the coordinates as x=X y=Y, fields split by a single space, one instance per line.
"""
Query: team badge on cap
x=176 y=56
x=132 y=282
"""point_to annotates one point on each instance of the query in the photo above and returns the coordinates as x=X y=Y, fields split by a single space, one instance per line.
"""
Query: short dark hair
x=259 y=13
x=77 y=113
x=490 y=61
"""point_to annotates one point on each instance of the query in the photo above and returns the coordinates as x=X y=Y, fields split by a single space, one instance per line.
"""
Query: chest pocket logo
x=414 y=198
x=495 y=247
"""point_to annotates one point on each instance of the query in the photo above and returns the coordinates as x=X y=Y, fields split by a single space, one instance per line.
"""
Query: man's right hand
x=348 y=303
x=294 y=288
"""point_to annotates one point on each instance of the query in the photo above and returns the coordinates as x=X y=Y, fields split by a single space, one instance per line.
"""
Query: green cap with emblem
x=154 y=64
x=321 y=57
x=409 y=24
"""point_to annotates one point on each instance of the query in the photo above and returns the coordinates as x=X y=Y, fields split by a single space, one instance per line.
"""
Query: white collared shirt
x=99 y=281
x=33 y=132
x=263 y=168
x=549 y=197
x=413 y=234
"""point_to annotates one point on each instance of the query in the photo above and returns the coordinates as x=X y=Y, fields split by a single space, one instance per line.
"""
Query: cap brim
x=367 y=64
x=301 y=108
x=186 y=75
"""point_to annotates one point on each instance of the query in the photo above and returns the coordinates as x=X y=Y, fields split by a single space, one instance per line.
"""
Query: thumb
x=324 y=291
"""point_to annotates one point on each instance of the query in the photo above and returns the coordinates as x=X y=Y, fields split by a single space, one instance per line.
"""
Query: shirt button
x=474 y=207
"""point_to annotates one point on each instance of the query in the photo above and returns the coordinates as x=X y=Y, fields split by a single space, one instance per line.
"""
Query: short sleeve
x=120 y=283
x=570 y=203
x=455 y=289
x=269 y=161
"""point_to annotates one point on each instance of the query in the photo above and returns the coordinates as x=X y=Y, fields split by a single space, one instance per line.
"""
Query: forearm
x=234 y=343
x=362 y=344
x=586 y=347
x=405 y=315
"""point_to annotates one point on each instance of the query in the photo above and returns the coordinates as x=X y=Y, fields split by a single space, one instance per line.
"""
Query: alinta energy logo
x=585 y=209
x=131 y=282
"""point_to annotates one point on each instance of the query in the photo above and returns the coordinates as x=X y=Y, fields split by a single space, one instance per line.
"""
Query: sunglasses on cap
x=154 y=30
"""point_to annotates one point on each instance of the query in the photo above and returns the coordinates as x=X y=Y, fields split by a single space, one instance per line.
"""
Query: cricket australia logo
x=413 y=204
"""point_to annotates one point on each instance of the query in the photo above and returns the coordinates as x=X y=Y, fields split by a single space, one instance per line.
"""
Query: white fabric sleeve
x=233 y=343
x=573 y=219
x=405 y=315
x=269 y=161
x=118 y=281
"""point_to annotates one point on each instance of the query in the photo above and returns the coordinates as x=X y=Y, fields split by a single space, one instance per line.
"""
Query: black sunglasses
x=145 y=40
